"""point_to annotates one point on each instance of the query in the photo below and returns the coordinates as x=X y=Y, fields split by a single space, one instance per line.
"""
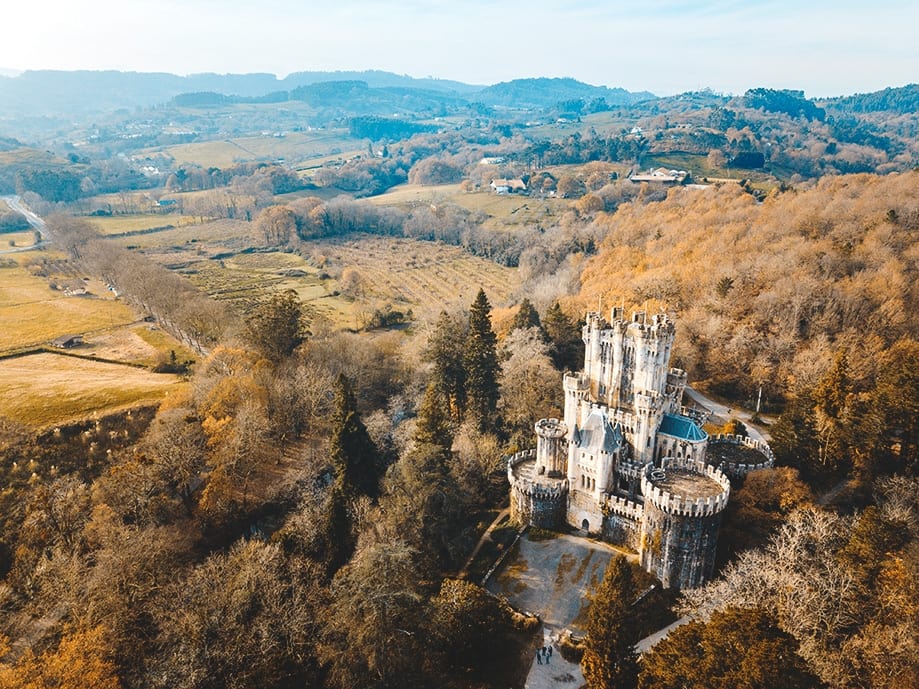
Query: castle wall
x=536 y=502
x=679 y=533
x=678 y=549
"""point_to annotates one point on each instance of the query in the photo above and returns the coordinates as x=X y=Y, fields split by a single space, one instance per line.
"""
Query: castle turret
x=551 y=448
x=680 y=521
x=577 y=388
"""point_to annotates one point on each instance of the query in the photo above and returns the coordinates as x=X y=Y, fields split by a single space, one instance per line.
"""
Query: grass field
x=33 y=314
x=116 y=224
x=221 y=232
x=14 y=239
x=504 y=211
x=295 y=148
x=48 y=389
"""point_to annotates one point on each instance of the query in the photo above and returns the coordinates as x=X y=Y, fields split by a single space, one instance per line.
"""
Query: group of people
x=543 y=654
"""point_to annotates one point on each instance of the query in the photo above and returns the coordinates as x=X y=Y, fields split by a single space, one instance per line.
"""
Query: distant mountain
x=378 y=79
x=51 y=92
x=546 y=92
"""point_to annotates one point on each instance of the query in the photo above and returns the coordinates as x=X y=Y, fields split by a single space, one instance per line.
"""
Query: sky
x=824 y=47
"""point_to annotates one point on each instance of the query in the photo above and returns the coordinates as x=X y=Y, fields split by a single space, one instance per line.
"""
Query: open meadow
x=121 y=224
x=47 y=389
x=32 y=313
x=505 y=212
x=294 y=148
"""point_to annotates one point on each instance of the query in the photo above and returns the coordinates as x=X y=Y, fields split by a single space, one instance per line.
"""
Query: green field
x=47 y=389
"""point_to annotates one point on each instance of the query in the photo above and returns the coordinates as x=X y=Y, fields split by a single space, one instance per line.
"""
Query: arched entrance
x=585 y=526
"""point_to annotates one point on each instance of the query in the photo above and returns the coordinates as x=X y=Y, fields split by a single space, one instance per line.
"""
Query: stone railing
x=683 y=505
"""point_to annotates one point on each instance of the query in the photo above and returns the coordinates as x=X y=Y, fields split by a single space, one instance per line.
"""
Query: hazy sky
x=826 y=47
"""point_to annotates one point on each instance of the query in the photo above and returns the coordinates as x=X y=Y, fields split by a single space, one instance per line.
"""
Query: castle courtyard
x=551 y=578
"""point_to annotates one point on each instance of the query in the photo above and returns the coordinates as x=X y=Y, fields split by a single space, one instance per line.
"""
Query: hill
x=545 y=93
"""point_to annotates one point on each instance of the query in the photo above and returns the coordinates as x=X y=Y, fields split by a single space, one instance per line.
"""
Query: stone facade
x=628 y=462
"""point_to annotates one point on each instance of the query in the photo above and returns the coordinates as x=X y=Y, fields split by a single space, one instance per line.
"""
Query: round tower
x=576 y=390
x=551 y=448
x=682 y=511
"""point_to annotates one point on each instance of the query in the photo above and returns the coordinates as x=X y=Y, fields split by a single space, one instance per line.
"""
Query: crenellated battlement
x=551 y=428
x=739 y=469
x=694 y=475
x=621 y=506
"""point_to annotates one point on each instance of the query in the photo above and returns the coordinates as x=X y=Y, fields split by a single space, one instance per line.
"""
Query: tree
x=736 y=649
x=526 y=317
x=480 y=361
x=530 y=383
x=355 y=458
x=277 y=326
x=433 y=421
x=444 y=350
x=277 y=224
x=82 y=660
x=372 y=637
x=609 y=660
x=565 y=337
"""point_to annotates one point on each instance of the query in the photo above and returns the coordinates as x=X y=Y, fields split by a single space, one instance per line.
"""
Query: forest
x=301 y=512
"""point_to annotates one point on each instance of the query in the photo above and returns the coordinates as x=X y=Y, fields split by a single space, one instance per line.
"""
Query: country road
x=723 y=410
x=15 y=204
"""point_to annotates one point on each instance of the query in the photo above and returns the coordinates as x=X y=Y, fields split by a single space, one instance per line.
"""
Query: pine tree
x=444 y=350
x=433 y=424
x=609 y=660
x=526 y=317
x=565 y=337
x=354 y=456
x=481 y=364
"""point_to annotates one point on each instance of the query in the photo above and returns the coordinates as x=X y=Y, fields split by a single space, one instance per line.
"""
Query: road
x=15 y=204
x=723 y=410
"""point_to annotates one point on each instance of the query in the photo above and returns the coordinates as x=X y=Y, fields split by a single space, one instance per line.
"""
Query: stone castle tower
x=628 y=462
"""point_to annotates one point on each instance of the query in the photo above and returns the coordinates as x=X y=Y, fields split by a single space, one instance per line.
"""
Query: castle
x=630 y=462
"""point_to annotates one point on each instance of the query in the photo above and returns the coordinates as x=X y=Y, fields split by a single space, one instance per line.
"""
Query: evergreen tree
x=565 y=337
x=526 y=317
x=338 y=536
x=276 y=327
x=609 y=660
x=444 y=350
x=433 y=423
x=354 y=456
x=481 y=364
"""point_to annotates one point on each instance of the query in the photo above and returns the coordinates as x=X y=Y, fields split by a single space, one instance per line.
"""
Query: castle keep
x=629 y=462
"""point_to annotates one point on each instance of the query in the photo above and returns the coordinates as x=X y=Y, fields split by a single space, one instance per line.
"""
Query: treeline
x=179 y=306
x=12 y=221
